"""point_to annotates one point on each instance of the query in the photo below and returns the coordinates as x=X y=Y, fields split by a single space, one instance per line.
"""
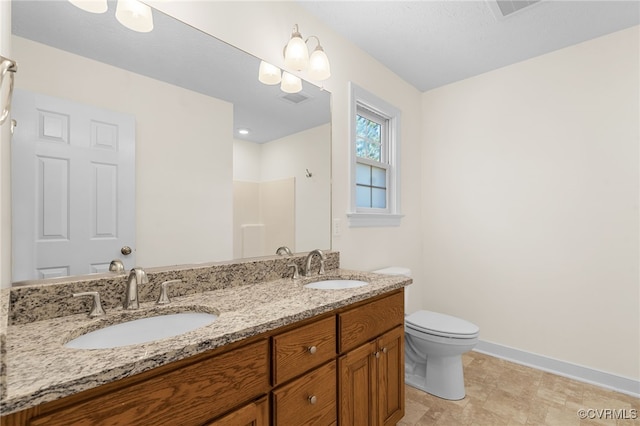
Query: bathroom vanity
x=278 y=354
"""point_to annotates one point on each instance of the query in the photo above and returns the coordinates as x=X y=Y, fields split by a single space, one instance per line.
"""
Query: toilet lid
x=441 y=324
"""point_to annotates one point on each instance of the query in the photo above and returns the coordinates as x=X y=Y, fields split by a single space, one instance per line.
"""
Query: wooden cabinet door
x=357 y=386
x=253 y=414
x=390 y=365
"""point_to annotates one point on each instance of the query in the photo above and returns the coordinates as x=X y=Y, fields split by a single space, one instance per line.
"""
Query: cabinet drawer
x=190 y=395
x=364 y=323
x=309 y=400
x=303 y=349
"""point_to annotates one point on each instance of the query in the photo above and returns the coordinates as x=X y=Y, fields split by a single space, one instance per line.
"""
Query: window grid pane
x=368 y=138
x=371 y=186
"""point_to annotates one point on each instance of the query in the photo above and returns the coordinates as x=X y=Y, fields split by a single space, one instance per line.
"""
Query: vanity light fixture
x=134 y=15
x=290 y=83
x=296 y=56
x=93 y=6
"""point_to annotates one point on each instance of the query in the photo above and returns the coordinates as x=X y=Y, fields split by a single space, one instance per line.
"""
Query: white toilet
x=434 y=344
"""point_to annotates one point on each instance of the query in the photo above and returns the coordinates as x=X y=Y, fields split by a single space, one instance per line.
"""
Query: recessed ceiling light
x=243 y=131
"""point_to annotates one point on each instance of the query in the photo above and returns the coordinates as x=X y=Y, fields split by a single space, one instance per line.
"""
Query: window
x=374 y=132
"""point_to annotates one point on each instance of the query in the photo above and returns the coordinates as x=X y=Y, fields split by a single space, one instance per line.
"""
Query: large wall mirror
x=158 y=116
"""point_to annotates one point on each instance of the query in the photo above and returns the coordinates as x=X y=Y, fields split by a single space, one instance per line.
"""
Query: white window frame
x=373 y=217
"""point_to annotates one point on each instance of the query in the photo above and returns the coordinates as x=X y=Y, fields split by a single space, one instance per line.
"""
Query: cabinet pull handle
x=312 y=350
x=312 y=399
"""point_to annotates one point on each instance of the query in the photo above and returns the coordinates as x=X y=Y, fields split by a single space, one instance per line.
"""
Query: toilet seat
x=441 y=325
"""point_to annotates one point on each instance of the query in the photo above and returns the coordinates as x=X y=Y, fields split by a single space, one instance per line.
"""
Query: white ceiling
x=432 y=43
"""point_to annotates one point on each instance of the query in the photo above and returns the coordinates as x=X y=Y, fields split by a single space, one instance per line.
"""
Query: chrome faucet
x=283 y=251
x=137 y=276
x=307 y=268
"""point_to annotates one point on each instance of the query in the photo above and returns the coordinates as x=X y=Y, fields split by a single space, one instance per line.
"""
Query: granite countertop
x=39 y=369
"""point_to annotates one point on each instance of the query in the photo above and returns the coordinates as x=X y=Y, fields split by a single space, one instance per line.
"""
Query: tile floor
x=503 y=393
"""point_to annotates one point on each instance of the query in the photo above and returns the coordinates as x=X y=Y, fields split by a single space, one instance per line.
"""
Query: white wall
x=183 y=151
x=530 y=203
x=292 y=156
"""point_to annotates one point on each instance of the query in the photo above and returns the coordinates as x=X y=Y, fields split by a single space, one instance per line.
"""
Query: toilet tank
x=394 y=270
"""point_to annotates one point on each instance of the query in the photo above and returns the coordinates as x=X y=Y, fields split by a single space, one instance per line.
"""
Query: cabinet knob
x=376 y=354
x=385 y=350
x=312 y=350
x=313 y=399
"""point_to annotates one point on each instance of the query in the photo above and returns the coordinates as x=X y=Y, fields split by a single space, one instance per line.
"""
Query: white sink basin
x=142 y=330
x=335 y=284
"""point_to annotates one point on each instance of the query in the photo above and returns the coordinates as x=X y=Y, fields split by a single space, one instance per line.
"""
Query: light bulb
x=319 y=68
x=296 y=54
x=290 y=83
x=134 y=15
x=269 y=74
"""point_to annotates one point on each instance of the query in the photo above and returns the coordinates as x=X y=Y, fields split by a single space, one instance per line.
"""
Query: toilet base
x=439 y=376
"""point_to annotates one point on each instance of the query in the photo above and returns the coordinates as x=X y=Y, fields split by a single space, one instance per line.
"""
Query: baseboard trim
x=562 y=368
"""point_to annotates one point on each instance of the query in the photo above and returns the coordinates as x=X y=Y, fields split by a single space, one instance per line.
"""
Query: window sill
x=362 y=220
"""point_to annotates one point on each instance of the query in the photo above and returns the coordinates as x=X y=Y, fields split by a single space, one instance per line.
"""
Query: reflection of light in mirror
x=93 y=6
x=290 y=83
x=269 y=74
x=134 y=15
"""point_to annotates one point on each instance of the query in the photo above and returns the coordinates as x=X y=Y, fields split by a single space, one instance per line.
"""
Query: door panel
x=73 y=187
x=391 y=377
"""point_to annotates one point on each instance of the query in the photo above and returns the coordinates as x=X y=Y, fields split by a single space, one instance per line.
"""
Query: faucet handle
x=163 y=299
x=296 y=274
x=96 y=308
x=116 y=265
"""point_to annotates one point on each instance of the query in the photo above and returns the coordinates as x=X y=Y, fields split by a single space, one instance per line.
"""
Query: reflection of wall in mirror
x=275 y=161
x=183 y=154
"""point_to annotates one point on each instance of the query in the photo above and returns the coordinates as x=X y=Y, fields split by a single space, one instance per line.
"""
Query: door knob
x=126 y=250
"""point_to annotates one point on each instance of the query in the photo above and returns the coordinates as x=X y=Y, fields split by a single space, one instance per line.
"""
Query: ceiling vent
x=504 y=8
x=295 y=98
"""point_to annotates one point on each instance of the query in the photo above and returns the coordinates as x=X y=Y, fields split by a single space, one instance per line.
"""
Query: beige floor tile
x=503 y=393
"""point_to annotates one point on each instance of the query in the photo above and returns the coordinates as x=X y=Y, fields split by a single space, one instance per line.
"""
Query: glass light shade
x=319 y=68
x=269 y=74
x=296 y=54
x=290 y=83
x=93 y=6
x=134 y=15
